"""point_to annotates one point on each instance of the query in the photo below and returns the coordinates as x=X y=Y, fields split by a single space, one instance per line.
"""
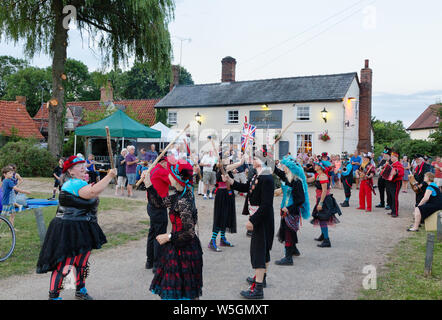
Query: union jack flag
x=248 y=134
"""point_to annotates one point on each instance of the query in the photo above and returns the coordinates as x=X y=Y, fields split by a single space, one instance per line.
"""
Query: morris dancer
x=326 y=207
x=347 y=180
x=394 y=186
x=159 y=177
x=74 y=231
x=179 y=271
x=294 y=203
x=259 y=204
x=366 y=173
x=224 y=211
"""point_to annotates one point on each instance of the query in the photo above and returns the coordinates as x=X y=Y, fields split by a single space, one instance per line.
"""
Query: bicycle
x=7 y=238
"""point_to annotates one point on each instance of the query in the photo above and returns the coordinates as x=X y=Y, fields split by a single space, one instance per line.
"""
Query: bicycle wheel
x=7 y=239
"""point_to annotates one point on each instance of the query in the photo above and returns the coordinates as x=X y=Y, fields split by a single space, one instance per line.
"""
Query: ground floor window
x=304 y=143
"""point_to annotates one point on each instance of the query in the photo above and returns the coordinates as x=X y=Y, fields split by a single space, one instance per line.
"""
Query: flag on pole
x=248 y=135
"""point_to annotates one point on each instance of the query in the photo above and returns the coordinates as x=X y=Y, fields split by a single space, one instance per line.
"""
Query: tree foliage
x=386 y=132
x=31 y=160
x=33 y=83
x=122 y=29
x=9 y=65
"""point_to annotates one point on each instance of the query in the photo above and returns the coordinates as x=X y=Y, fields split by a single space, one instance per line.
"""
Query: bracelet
x=170 y=236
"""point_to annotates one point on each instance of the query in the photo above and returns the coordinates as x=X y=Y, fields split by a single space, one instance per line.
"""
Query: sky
x=288 y=38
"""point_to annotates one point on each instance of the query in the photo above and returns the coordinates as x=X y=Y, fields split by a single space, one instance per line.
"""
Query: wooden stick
x=161 y=155
x=279 y=136
x=109 y=148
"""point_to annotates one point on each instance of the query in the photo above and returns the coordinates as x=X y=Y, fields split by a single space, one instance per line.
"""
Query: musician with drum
x=394 y=183
x=384 y=169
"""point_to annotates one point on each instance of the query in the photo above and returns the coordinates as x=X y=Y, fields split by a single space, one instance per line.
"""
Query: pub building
x=336 y=104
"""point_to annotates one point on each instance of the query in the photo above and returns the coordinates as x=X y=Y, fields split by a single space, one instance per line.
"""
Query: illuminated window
x=304 y=143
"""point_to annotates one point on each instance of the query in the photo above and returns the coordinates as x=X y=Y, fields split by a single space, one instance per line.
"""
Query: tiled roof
x=144 y=109
x=14 y=114
x=428 y=119
x=297 y=89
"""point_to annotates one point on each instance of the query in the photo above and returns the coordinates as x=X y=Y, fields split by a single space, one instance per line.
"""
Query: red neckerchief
x=420 y=169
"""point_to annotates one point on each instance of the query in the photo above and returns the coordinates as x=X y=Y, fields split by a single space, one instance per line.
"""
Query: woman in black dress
x=179 y=272
x=74 y=231
x=326 y=206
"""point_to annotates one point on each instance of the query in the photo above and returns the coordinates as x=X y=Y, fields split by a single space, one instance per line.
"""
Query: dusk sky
x=286 y=38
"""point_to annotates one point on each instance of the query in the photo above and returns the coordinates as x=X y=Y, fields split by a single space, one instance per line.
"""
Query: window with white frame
x=172 y=117
x=303 y=113
x=232 y=116
x=304 y=143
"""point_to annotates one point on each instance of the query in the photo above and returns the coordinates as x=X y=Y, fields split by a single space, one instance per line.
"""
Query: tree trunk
x=57 y=104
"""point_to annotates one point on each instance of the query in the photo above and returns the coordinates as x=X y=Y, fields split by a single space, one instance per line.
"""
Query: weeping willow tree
x=121 y=28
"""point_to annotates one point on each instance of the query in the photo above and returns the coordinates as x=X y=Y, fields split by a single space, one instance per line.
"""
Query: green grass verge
x=404 y=277
x=27 y=248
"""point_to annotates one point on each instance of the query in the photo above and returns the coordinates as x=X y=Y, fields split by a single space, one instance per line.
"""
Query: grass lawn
x=27 y=248
x=404 y=277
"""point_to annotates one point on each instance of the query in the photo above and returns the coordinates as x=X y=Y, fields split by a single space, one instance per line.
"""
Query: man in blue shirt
x=356 y=161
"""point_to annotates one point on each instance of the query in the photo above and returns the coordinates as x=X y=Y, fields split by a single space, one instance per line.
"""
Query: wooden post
x=439 y=226
x=429 y=254
x=41 y=227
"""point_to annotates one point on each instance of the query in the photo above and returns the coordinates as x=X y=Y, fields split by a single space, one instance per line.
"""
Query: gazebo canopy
x=120 y=125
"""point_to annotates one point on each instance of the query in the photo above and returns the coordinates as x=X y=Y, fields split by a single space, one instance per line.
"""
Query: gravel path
x=319 y=273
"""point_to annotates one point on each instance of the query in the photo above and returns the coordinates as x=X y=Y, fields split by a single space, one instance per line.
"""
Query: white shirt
x=207 y=159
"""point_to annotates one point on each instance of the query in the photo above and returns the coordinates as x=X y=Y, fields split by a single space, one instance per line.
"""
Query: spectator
x=430 y=203
x=90 y=166
x=9 y=188
x=438 y=172
x=143 y=155
x=57 y=176
x=407 y=171
x=151 y=155
x=121 y=172
x=131 y=170
x=356 y=161
x=209 y=176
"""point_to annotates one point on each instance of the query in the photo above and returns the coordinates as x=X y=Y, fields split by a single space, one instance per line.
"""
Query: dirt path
x=319 y=273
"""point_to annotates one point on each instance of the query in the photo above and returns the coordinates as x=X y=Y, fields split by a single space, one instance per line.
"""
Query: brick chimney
x=228 y=69
x=21 y=99
x=365 y=94
x=175 y=77
x=107 y=93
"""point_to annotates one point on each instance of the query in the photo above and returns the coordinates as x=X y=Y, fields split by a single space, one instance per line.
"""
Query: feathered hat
x=297 y=170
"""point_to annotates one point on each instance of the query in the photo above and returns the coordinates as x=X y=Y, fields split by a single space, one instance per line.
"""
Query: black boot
x=345 y=204
x=380 y=205
x=295 y=251
x=321 y=237
x=54 y=295
x=149 y=264
x=325 y=244
x=287 y=260
x=255 y=292
x=251 y=280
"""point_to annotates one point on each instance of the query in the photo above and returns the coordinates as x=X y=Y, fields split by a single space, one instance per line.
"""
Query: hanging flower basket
x=324 y=136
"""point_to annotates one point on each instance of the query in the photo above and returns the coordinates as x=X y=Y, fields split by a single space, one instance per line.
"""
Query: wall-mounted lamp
x=324 y=114
x=265 y=106
x=347 y=123
x=198 y=118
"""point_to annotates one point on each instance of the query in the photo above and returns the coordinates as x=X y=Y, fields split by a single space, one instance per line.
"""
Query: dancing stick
x=279 y=136
x=109 y=148
x=160 y=156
